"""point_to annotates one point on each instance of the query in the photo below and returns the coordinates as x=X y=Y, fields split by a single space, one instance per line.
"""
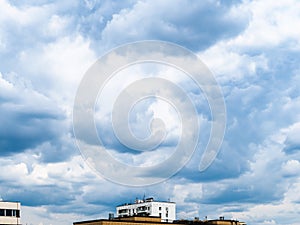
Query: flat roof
x=120 y=221
x=136 y=203
x=10 y=201
x=175 y=222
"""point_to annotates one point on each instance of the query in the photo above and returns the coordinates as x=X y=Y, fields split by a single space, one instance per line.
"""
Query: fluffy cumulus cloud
x=191 y=24
x=252 y=47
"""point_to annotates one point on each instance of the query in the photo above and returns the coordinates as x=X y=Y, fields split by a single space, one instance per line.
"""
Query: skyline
x=251 y=47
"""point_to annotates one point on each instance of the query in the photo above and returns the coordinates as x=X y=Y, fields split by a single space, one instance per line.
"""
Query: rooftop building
x=10 y=213
x=149 y=207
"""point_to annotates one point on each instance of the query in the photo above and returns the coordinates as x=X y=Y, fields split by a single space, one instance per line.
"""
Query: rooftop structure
x=149 y=207
x=148 y=220
x=151 y=212
x=10 y=213
x=220 y=221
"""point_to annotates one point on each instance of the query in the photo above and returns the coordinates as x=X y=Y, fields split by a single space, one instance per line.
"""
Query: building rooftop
x=125 y=220
x=131 y=220
x=137 y=201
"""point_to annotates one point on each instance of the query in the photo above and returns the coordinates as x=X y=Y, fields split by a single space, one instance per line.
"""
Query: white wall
x=10 y=219
x=166 y=210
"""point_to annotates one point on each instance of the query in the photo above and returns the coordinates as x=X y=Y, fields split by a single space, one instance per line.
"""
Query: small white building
x=148 y=207
x=10 y=213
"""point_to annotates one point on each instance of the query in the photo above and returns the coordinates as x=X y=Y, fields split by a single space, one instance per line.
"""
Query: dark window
x=160 y=215
x=159 y=208
x=1 y=212
x=9 y=212
x=122 y=210
x=17 y=213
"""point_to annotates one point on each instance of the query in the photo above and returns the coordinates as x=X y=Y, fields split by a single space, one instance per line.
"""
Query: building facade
x=10 y=213
x=148 y=207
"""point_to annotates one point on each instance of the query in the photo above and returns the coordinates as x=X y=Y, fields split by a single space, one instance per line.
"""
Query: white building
x=10 y=213
x=148 y=207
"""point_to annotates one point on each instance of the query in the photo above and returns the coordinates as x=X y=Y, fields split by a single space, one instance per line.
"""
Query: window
x=160 y=215
x=122 y=211
x=18 y=213
x=167 y=214
x=9 y=212
x=159 y=208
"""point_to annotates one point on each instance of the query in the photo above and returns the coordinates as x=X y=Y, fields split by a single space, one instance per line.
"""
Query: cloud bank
x=252 y=47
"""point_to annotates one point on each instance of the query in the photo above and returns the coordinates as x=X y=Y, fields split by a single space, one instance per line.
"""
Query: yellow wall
x=140 y=218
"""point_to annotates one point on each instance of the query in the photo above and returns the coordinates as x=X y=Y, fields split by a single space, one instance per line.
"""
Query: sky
x=252 y=48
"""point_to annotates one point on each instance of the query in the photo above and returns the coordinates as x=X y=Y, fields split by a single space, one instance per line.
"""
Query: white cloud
x=272 y=24
x=56 y=26
x=58 y=67
x=230 y=65
x=291 y=168
x=174 y=21
x=186 y=196
x=273 y=178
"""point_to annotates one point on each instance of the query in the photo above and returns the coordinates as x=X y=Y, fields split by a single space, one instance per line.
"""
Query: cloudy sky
x=251 y=47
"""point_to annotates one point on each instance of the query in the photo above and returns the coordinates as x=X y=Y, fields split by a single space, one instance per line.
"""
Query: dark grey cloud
x=292 y=142
x=292 y=148
x=57 y=150
x=19 y=132
x=40 y=195
x=240 y=195
x=28 y=118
